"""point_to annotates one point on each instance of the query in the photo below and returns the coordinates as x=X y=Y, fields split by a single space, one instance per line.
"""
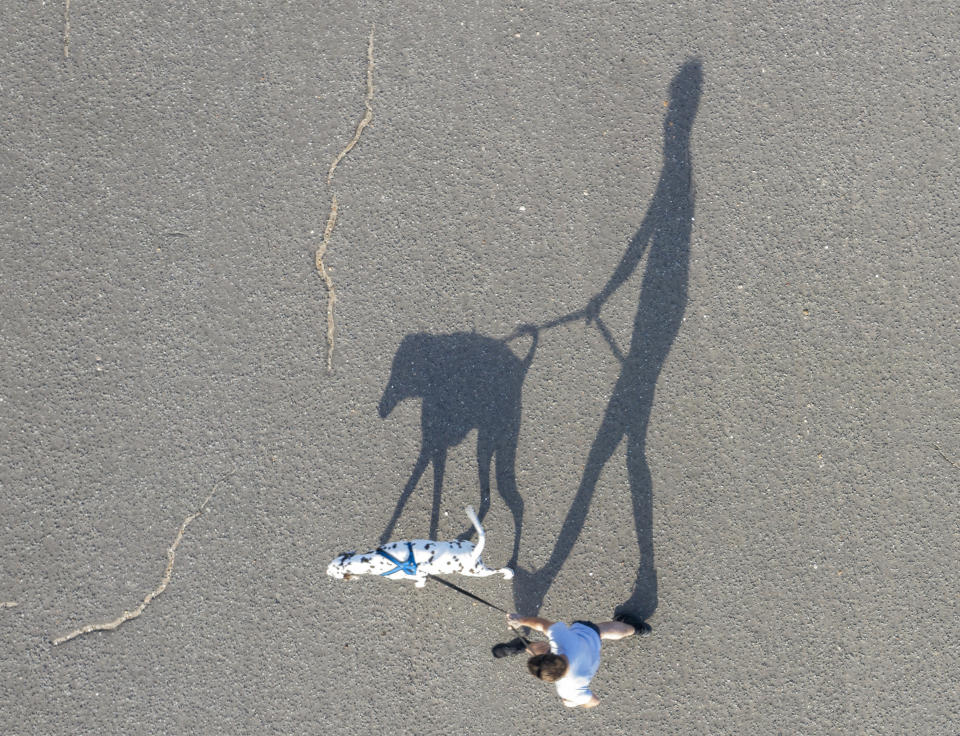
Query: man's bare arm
x=534 y=622
x=538 y=647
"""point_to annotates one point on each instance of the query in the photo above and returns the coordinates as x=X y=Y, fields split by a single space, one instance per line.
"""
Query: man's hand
x=534 y=622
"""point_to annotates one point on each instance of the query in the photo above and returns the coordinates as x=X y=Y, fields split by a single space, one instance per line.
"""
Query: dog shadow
x=664 y=236
x=465 y=381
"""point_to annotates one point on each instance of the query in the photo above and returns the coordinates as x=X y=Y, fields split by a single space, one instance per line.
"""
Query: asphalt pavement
x=746 y=428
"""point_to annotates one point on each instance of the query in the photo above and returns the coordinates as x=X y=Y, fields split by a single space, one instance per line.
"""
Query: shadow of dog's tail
x=534 y=332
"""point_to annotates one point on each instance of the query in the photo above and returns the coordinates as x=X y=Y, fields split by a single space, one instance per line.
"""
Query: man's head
x=547 y=667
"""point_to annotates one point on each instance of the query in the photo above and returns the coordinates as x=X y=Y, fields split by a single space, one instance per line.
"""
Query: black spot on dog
x=364 y=559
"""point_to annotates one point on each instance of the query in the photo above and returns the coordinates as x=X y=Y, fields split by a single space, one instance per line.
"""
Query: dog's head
x=338 y=569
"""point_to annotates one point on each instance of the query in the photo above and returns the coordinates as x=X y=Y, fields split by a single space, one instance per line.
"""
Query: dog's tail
x=481 y=537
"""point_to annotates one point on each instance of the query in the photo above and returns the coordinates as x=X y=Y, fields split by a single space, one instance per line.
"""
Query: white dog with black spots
x=429 y=557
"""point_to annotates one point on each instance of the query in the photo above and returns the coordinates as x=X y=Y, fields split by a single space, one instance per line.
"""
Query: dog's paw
x=507 y=573
x=420 y=582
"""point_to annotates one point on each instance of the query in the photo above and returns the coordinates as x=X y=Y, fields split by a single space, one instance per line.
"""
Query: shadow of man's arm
x=625 y=268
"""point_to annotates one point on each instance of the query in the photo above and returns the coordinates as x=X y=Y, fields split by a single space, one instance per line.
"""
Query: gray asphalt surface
x=163 y=331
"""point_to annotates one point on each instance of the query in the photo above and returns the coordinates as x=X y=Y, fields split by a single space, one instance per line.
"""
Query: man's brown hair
x=547 y=667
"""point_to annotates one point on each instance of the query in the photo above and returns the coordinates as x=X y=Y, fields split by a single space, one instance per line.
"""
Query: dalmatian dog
x=416 y=559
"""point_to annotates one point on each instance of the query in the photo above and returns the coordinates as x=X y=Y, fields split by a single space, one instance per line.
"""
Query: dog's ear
x=347 y=576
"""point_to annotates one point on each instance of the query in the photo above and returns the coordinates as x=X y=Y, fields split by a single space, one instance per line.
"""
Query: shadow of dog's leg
x=484 y=458
x=418 y=469
x=439 y=463
x=507 y=486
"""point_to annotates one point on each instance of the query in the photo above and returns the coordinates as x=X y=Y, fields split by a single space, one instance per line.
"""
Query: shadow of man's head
x=685 y=90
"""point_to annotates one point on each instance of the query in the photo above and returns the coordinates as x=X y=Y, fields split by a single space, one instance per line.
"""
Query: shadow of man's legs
x=529 y=588
x=643 y=601
x=664 y=236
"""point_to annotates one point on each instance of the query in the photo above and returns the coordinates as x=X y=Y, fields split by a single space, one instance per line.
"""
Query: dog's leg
x=479 y=570
x=421 y=581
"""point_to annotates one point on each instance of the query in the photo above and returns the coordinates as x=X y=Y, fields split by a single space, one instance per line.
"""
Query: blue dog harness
x=408 y=567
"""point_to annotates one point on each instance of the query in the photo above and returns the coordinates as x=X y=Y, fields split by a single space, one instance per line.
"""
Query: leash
x=409 y=567
x=527 y=329
x=570 y=317
x=467 y=593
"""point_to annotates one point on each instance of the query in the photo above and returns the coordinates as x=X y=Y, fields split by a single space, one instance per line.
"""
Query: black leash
x=466 y=592
x=477 y=598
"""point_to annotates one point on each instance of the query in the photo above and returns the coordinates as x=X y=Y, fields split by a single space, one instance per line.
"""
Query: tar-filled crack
x=127 y=615
x=332 y=218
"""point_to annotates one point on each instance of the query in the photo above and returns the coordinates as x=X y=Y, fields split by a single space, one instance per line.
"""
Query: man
x=571 y=655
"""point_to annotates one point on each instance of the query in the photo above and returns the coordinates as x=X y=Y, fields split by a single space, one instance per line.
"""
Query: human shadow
x=466 y=381
x=664 y=236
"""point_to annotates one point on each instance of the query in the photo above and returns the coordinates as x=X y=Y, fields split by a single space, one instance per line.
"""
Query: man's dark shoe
x=641 y=626
x=509 y=649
